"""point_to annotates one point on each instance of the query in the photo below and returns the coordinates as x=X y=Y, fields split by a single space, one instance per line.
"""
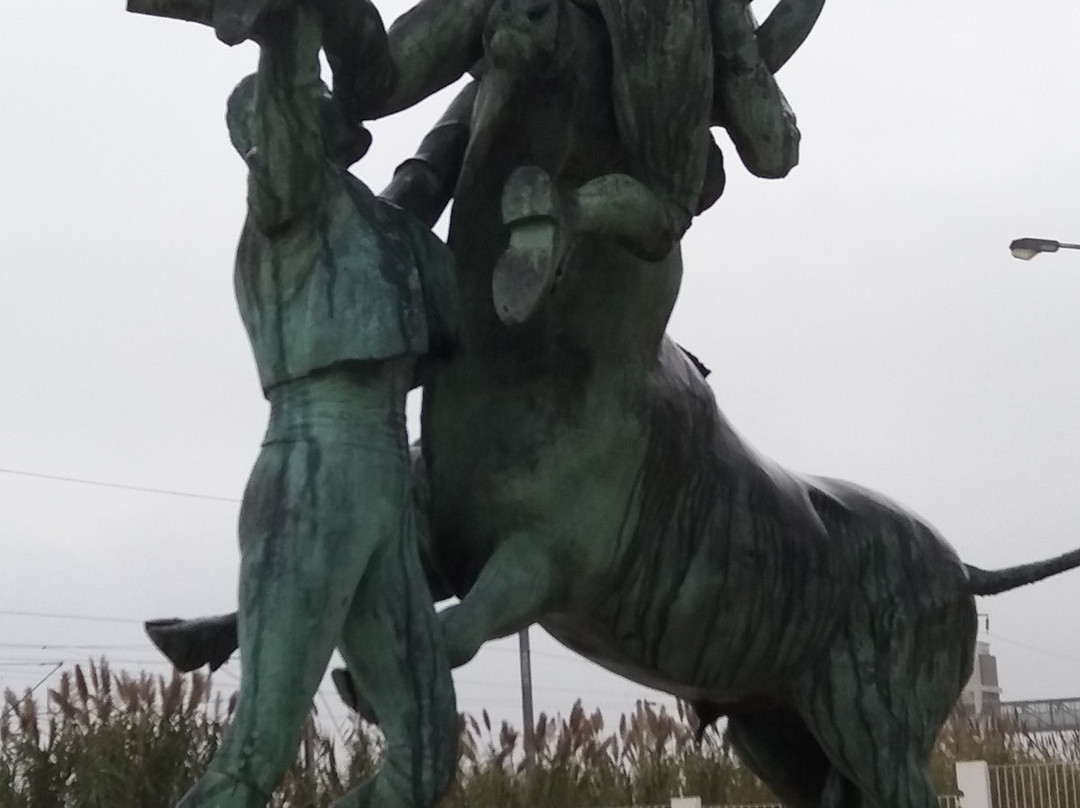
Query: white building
x=982 y=694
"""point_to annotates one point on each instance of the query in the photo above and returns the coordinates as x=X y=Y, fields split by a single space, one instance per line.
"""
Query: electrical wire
x=122 y=486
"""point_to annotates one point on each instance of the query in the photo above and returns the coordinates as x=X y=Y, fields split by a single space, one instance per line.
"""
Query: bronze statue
x=341 y=294
x=580 y=474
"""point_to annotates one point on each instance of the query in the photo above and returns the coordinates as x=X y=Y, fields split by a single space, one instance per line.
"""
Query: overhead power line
x=121 y=486
x=86 y=617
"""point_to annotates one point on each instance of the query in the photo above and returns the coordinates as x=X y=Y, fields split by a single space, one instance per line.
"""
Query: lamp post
x=1027 y=248
x=528 y=725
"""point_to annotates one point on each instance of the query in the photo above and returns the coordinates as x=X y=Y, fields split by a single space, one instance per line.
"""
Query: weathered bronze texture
x=576 y=470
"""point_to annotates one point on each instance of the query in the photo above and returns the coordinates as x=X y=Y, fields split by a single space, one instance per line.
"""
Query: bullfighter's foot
x=539 y=239
x=190 y=644
x=354 y=700
x=217 y=790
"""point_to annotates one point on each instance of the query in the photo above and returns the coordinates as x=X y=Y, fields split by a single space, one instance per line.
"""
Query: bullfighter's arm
x=274 y=115
x=424 y=184
x=279 y=134
x=378 y=73
x=426 y=49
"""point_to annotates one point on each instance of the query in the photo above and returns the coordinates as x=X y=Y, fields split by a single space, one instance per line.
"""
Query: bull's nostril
x=538 y=11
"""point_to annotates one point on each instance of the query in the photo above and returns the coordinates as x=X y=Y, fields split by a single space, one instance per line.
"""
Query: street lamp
x=1028 y=248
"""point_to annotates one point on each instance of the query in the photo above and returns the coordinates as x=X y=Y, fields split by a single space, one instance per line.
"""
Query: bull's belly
x=720 y=638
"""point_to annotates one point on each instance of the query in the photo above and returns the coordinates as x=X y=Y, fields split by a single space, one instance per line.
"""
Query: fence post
x=686 y=802
x=973 y=782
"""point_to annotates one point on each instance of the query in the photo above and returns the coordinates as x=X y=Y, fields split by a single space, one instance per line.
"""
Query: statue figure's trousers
x=330 y=558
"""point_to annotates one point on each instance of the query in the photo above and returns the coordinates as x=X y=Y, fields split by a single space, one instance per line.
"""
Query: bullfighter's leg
x=305 y=542
x=393 y=647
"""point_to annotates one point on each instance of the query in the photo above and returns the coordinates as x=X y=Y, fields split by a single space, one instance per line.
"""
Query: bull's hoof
x=759 y=122
x=190 y=644
x=532 y=263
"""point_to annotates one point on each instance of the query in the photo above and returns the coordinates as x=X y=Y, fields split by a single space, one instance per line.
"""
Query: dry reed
x=116 y=740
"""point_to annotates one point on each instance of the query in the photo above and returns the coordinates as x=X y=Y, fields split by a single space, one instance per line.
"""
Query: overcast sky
x=863 y=317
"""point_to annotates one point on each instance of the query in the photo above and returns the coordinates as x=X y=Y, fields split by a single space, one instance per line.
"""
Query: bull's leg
x=778 y=747
x=393 y=647
x=511 y=593
x=543 y=221
x=878 y=699
x=874 y=744
x=747 y=99
x=535 y=213
x=190 y=644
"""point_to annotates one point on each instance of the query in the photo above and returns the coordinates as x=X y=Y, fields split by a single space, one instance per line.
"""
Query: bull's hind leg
x=777 y=746
x=878 y=700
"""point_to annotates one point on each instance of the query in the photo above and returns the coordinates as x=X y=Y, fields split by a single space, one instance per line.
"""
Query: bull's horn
x=785 y=29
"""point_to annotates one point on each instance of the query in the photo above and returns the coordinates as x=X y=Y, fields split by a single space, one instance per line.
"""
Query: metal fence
x=1041 y=785
x=948 y=801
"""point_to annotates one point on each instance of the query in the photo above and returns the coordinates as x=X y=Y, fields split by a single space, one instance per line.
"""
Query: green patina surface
x=577 y=471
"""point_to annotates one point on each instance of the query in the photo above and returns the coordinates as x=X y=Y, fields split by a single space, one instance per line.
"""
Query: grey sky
x=863 y=317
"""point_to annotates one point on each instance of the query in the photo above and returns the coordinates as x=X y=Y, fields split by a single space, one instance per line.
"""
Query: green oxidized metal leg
x=534 y=212
x=393 y=647
x=779 y=748
x=877 y=700
x=511 y=593
x=747 y=100
x=542 y=221
x=306 y=539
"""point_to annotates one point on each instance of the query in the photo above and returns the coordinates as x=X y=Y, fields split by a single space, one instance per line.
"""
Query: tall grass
x=105 y=740
x=116 y=740
x=648 y=758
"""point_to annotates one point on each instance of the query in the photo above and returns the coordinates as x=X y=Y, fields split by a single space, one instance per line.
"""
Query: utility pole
x=527 y=697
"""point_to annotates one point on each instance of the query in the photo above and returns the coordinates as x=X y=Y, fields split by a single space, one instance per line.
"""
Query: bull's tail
x=991 y=582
